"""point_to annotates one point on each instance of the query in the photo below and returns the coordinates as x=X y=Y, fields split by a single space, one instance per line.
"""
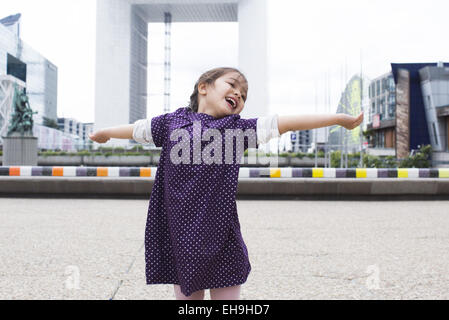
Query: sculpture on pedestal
x=22 y=118
x=19 y=145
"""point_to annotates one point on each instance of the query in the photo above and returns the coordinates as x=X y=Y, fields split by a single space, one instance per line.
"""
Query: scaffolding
x=167 y=62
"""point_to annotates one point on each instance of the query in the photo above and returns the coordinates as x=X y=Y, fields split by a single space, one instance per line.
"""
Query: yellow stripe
x=443 y=172
x=317 y=172
x=402 y=173
x=360 y=173
x=275 y=173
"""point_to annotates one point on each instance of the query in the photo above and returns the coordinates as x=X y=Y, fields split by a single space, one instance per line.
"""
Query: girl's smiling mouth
x=232 y=102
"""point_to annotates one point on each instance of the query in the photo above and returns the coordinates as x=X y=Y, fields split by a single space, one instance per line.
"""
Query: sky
x=308 y=42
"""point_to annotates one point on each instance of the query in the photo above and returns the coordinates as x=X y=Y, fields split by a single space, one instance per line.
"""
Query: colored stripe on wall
x=359 y=173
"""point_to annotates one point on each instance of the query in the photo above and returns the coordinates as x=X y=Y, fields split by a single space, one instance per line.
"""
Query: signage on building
x=376 y=121
x=293 y=136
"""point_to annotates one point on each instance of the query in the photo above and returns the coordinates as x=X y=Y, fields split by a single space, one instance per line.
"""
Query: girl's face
x=227 y=96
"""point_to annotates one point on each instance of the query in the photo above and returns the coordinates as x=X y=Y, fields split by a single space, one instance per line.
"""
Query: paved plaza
x=93 y=249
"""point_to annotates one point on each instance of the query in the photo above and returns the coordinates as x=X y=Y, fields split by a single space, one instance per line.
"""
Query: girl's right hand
x=99 y=136
x=350 y=122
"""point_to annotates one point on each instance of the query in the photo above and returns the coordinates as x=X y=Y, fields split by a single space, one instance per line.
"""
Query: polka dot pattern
x=192 y=234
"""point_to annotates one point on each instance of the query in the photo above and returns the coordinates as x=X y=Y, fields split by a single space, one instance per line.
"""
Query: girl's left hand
x=350 y=122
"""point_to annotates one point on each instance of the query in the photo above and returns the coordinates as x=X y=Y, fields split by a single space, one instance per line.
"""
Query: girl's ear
x=202 y=88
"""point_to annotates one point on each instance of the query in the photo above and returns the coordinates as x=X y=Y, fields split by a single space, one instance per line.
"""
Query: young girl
x=192 y=234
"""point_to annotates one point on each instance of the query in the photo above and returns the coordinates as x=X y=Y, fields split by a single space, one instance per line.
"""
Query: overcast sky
x=307 y=40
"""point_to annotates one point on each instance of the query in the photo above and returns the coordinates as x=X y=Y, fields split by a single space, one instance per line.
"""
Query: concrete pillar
x=113 y=55
x=253 y=55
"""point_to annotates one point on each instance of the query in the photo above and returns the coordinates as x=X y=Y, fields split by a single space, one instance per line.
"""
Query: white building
x=122 y=43
x=78 y=129
x=24 y=63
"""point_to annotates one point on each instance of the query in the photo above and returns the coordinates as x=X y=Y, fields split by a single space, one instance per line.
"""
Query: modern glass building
x=409 y=108
x=23 y=62
x=351 y=102
x=382 y=112
x=435 y=93
x=73 y=127
x=301 y=140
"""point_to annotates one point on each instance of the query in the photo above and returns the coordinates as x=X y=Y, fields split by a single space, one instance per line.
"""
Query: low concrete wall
x=152 y=160
x=253 y=187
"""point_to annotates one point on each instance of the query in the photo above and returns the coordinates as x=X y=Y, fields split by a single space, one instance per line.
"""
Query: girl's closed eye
x=242 y=97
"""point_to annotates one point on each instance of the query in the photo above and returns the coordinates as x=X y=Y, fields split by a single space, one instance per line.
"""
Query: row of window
x=389 y=113
x=381 y=86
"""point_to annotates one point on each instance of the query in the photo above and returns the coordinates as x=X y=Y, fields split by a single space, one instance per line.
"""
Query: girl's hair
x=209 y=78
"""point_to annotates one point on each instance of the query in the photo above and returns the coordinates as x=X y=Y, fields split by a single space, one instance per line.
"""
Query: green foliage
x=390 y=162
x=335 y=159
x=132 y=153
x=105 y=149
x=312 y=155
x=87 y=153
x=119 y=150
x=137 y=148
x=353 y=159
x=419 y=159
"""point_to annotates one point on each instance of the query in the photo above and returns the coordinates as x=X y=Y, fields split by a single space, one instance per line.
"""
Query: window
x=382 y=106
x=391 y=85
x=435 y=133
x=378 y=87
x=16 y=68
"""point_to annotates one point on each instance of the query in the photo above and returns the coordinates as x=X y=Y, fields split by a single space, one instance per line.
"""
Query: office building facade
x=24 y=63
x=301 y=140
x=411 y=111
x=80 y=130
x=382 y=113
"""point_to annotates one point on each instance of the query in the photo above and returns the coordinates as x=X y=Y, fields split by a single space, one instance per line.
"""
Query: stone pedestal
x=19 y=150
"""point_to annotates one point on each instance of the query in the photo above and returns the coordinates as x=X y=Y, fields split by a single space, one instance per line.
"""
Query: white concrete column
x=253 y=55
x=113 y=56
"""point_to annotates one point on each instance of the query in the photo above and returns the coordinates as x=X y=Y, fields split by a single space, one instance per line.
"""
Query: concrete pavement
x=92 y=249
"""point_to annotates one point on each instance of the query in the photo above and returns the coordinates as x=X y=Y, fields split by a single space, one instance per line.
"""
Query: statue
x=22 y=118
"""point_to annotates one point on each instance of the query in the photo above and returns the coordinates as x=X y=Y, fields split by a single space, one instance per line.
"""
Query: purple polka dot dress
x=192 y=234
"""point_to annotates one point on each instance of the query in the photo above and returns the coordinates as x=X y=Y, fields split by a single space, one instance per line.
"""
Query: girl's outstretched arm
x=307 y=122
x=120 y=132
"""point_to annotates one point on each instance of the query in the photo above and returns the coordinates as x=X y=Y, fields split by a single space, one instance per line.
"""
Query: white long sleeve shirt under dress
x=267 y=129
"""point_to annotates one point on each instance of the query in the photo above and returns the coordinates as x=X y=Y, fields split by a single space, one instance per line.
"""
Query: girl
x=192 y=234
